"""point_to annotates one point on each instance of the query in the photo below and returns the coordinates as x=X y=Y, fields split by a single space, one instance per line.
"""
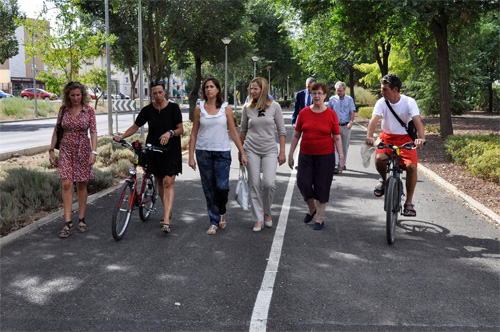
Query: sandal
x=409 y=210
x=222 y=222
x=64 y=233
x=82 y=228
x=212 y=230
x=162 y=222
x=166 y=228
x=379 y=190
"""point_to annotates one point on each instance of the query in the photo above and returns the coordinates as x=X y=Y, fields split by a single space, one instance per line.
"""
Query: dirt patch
x=433 y=156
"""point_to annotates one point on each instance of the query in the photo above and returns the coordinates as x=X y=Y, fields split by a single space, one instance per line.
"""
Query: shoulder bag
x=59 y=130
x=410 y=129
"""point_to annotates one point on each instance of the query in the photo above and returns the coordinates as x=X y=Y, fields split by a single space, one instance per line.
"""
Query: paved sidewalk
x=442 y=274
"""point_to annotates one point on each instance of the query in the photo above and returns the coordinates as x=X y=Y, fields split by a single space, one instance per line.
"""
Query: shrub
x=365 y=112
x=432 y=128
x=237 y=117
x=101 y=180
x=20 y=108
x=487 y=165
x=24 y=192
x=479 y=153
x=363 y=96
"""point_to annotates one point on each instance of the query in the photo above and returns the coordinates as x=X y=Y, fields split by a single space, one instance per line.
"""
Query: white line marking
x=260 y=312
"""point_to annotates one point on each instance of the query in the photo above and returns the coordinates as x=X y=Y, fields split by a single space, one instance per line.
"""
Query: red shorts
x=407 y=156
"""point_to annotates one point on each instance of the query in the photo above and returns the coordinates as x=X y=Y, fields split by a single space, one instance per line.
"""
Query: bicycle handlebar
x=407 y=146
x=148 y=146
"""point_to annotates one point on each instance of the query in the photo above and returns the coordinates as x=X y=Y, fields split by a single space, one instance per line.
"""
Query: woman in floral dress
x=77 y=153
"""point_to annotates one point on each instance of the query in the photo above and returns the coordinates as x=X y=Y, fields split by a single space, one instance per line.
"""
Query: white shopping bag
x=241 y=194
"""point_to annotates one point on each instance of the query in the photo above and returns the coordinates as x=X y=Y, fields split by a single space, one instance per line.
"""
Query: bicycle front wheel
x=148 y=198
x=122 y=211
x=391 y=208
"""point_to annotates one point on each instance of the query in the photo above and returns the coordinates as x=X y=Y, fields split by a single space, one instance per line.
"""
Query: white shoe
x=257 y=229
x=268 y=224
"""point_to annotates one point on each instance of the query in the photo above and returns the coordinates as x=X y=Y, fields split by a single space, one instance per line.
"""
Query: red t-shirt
x=317 y=130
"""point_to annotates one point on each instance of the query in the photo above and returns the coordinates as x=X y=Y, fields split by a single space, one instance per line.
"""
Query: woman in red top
x=77 y=153
x=317 y=124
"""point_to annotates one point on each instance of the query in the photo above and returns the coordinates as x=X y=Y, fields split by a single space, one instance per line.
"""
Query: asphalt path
x=31 y=134
x=442 y=273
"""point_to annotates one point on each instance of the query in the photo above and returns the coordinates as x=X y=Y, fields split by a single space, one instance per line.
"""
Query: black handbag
x=59 y=132
x=410 y=129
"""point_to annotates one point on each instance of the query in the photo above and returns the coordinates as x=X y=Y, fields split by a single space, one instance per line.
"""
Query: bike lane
x=441 y=274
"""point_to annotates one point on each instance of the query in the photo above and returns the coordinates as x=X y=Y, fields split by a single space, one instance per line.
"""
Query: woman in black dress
x=164 y=121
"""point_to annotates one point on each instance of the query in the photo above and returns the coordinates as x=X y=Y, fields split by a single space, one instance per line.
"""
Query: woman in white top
x=260 y=120
x=209 y=136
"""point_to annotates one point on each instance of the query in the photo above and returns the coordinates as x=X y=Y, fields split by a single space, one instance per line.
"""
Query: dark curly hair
x=72 y=86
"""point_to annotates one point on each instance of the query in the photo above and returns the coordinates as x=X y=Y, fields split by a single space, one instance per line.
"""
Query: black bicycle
x=394 y=191
x=131 y=195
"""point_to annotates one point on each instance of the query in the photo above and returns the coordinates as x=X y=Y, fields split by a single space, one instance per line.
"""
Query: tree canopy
x=9 y=14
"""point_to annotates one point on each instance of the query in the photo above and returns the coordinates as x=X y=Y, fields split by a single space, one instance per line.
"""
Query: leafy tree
x=9 y=13
x=199 y=30
x=65 y=48
x=123 y=23
x=96 y=79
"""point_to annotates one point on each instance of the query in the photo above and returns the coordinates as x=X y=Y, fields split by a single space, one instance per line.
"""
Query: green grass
x=20 y=109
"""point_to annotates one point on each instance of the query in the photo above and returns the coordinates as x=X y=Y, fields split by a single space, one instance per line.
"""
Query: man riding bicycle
x=394 y=133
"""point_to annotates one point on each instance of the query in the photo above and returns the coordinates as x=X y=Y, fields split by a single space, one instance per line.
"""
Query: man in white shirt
x=344 y=106
x=394 y=133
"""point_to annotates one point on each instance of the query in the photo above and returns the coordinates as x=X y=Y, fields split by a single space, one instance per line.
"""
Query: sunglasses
x=74 y=83
x=261 y=113
x=157 y=83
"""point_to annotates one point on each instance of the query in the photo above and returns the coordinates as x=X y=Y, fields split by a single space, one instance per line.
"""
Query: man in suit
x=303 y=99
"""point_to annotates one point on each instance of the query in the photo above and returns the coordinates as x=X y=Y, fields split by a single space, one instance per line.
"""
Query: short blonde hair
x=72 y=86
x=264 y=94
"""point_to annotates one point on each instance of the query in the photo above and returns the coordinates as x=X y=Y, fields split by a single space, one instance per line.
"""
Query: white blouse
x=213 y=135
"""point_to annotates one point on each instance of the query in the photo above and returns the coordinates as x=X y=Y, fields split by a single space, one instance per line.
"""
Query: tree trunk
x=383 y=62
x=351 y=82
x=490 y=97
x=132 y=82
x=193 y=95
x=439 y=27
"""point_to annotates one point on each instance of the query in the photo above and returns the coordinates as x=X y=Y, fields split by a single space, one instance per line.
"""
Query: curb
x=45 y=220
x=471 y=202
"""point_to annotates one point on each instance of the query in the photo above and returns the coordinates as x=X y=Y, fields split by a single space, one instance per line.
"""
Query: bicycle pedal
x=153 y=210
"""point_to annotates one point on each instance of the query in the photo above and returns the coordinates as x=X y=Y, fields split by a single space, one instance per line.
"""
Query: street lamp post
x=255 y=59
x=226 y=41
x=269 y=81
x=34 y=85
x=287 y=94
x=108 y=70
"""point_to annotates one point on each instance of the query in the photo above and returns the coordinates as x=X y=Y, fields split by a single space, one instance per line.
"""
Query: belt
x=343 y=124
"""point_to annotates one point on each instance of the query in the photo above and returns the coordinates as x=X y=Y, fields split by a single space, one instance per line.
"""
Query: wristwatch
x=172 y=132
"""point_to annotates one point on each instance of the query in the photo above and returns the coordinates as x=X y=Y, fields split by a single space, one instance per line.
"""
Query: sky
x=32 y=8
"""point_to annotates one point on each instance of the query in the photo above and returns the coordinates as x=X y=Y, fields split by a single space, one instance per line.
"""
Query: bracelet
x=51 y=150
x=243 y=155
x=341 y=155
x=94 y=152
x=172 y=132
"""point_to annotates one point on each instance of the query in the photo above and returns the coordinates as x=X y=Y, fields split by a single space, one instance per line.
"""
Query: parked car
x=30 y=94
x=122 y=96
x=5 y=94
x=91 y=93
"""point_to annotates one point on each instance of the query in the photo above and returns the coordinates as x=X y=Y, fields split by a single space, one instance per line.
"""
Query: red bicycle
x=131 y=195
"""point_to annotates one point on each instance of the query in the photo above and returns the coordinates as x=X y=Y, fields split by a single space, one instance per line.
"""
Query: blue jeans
x=214 y=172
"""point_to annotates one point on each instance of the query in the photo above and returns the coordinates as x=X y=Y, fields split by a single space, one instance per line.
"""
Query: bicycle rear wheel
x=122 y=211
x=391 y=208
x=149 y=197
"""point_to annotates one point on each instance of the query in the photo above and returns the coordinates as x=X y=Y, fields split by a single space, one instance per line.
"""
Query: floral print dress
x=75 y=148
